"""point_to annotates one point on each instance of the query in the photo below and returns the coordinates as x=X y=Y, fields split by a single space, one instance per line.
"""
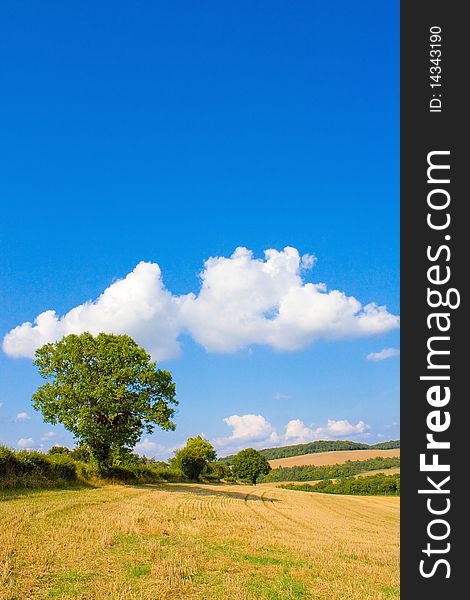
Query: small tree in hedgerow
x=249 y=464
x=192 y=459
x=105 y=390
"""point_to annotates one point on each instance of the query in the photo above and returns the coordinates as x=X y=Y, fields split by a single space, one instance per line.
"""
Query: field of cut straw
x=331 y=458
x=160 y=542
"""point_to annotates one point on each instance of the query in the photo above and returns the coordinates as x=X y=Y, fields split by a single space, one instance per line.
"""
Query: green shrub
x=121 y=474
x=9 y=465
x=34 y=463
x=28 y=468
x=63 y=467
x=59 y=450
x=216 y=471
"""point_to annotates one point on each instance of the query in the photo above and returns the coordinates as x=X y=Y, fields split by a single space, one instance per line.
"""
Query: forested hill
x=319 y=446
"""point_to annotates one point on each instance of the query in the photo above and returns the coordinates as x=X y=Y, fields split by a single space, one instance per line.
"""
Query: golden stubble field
x=321 y=459
x=160 y=542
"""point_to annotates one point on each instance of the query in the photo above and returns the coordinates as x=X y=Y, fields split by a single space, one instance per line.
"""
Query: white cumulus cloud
x=242 y=301
x=256 y=431
x=138 y=305
x=383 y=354
x=26 y=443
x=22 y=416
x=341 y=428
x=250 y=428
x=146 y=446
x=149 y=448
x=298 y=431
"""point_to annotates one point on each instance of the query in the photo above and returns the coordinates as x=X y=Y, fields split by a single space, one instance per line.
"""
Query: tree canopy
x=250 y=464
x=106 y=390
x=193 y=457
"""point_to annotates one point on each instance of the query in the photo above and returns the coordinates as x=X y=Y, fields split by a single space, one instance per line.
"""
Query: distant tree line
x=347 y=469
x=374 y=485
x=318 y=446
x=390 y=445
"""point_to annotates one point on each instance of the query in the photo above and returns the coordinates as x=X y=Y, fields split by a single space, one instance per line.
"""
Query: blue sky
x=170 y=133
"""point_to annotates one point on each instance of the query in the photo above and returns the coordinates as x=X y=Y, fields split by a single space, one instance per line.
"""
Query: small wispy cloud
x=23 y=416
x=26 y=443
x=280 y=396
x=150 y=448
x=308 y=261
x=383 y=354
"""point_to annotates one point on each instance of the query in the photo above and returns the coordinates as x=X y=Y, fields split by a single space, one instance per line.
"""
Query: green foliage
x=28 y=467
x=249 y=464
x=60 y=450
x=63 y=467
x=9 y=464
x=318 y=446
x=216 y=471
x=60 y=467
x=390 y=445
x=141 y=473
x=347 y=469
x=34 y=463
x=374 y=485
x=81 y=453
x=105 y=390
x=36 y=469
x=193 y=458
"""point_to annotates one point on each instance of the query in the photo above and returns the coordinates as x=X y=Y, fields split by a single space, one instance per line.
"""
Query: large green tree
x=249 y=464
x=105 y=389
x=193 y=457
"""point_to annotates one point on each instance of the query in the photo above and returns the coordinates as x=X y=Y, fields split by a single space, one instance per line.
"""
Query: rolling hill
x=320 y=446
x=331 y=458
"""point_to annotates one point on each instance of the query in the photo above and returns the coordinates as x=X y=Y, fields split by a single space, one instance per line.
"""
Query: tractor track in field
x=264 y=513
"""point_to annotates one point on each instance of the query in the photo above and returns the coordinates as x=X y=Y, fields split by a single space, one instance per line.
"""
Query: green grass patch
x=261 y=560
x=140 y=570
x=348 y=557
x=128 y=542
x=283 y=587
x=391 y=592
x=69 y=584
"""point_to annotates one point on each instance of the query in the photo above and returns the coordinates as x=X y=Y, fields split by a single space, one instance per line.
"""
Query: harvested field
x=178 y=541
x=331 y=458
